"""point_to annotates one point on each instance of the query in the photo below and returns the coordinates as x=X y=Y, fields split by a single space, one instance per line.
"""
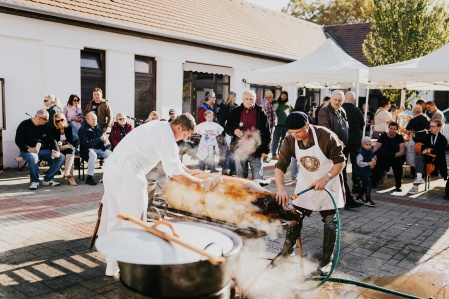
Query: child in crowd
x=208 y=146
x=365 y=162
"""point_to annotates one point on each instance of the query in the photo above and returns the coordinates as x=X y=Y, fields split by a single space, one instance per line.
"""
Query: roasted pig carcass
x=235 y=200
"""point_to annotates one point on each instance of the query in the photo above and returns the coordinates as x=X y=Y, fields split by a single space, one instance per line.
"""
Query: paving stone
x=49 y=257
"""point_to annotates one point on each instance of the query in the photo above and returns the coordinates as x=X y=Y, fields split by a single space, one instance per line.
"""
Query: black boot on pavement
x=351 y=203
x=90 y=181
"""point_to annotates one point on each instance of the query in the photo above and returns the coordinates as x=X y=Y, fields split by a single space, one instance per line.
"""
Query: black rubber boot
x=329 y=238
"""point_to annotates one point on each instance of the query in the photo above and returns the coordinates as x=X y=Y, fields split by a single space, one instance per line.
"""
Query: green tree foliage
x=332 y=12
x=403 y=30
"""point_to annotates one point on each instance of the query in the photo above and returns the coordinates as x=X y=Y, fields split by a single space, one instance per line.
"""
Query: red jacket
x=114 y=137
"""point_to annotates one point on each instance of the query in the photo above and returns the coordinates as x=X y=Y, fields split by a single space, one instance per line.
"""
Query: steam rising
x=248 y=144
x=260 y=282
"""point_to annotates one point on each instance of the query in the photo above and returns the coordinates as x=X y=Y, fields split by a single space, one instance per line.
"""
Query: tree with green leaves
x=332 y=12
x=403 y=30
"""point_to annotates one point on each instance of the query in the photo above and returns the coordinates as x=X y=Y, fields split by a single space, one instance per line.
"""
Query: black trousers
x=384 y=165
x=366 y=188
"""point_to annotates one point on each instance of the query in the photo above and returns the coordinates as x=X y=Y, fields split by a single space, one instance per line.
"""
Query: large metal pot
x=155 y=267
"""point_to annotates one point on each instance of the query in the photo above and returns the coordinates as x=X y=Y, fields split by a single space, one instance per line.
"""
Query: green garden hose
x=323 y=279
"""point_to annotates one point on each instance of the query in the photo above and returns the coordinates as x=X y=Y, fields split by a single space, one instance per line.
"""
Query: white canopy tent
x=430 y=72
x=326 y=67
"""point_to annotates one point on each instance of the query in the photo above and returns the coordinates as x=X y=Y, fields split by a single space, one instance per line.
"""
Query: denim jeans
x=278 y=137
x=33 y=164
x=93 y=154
x=256 y=167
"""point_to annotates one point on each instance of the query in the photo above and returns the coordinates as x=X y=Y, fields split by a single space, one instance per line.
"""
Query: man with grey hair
x=92 y=145
x=355 y=134
x=34 y=137
x=333 y=117
x=208 y=105
x=249 y=128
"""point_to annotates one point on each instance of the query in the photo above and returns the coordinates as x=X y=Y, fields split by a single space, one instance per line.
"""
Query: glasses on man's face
x=58 y=121
x=44 y=119
x=120 y=118
x=434 y=126
x=45 y=100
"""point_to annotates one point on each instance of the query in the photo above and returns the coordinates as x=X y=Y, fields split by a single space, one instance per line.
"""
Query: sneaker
x=34 y=185
x=418 y=181
x=50 y=183
x=293 y=178
x=90 y=181
x=274 y=158
x=267 y=160
x=370 y=203
x=414 y=190
x=398 y=190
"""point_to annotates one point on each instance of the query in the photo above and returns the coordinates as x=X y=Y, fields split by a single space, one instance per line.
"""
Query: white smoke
x=258 y=281
x=248 y=144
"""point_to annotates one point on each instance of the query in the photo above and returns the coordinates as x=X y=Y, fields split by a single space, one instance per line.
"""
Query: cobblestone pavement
x=401 y=244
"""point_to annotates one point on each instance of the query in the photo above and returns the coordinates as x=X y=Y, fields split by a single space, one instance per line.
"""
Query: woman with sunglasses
x=52 y=105
x=119 y=130
x=73 y=111
x=64 y=137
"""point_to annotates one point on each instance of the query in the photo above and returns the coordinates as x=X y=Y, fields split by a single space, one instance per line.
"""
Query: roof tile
x=231 y=23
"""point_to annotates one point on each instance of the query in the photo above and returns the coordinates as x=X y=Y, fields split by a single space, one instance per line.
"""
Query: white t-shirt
x=209 y=132
x=145 y=146
x=381 y=119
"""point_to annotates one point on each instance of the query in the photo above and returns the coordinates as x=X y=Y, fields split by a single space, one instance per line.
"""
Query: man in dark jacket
x=101 y=108
x=92 y=145
x=250 y=131
x=333 y=117
x=34 y=138
x=355 y=130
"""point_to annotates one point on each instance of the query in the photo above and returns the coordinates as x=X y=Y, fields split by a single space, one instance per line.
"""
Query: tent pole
x=402 y=98
x=366 y=109
x=357 y=95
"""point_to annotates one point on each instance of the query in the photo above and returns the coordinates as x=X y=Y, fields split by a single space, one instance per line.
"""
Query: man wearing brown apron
x=320 y=162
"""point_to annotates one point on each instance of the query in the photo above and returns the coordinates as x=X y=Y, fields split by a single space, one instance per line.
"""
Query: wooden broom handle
x=214 y=260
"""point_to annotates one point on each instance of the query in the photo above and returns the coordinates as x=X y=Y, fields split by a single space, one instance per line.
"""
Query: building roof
x=228 y=24
x=350 y=37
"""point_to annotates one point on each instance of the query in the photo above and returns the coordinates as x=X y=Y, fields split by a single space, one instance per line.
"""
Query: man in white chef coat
x=125 y=184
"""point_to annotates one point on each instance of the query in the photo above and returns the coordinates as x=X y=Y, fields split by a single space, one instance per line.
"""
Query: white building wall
x=120 y=82
x=39 y=57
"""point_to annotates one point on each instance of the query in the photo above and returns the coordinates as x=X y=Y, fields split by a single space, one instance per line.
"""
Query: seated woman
x=154 y=115
x=433 y=150
x=119 y=130
x=63 y=135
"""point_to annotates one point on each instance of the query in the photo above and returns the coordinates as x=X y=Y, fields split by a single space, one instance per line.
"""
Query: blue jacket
x=90 y=138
